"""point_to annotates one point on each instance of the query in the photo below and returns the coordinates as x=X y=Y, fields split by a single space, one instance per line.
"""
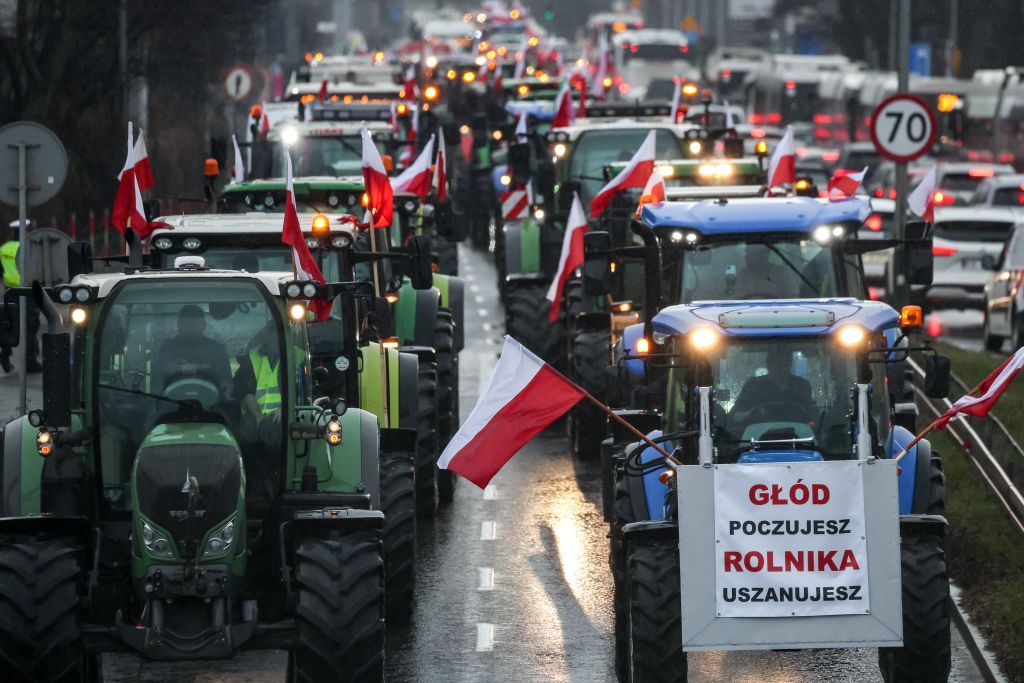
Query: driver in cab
x=257 y=380
x=778 y=386
x=192 y=354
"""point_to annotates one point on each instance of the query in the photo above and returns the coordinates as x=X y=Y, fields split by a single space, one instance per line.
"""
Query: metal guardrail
x=981 y=439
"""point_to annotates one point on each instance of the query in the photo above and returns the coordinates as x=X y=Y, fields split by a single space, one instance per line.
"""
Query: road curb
x=975 y=641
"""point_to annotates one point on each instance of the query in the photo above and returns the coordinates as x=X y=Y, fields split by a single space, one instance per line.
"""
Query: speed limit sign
x=903 y=128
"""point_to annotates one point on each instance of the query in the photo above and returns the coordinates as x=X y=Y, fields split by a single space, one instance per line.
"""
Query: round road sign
x=903 y=128
x=238 y=83
x=46 y=163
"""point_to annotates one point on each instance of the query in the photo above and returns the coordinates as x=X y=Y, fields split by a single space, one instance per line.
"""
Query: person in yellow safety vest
x=258 y=378
x=12 y=278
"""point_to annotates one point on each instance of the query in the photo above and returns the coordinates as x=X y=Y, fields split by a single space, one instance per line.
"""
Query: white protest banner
x=790 y=540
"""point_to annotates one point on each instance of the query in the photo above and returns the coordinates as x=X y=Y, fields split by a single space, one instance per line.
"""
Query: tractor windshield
x=596 y=148
x=197 y=352
x=781 y=269
x=317 y=155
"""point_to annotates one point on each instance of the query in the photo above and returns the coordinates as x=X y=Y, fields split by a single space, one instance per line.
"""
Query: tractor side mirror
x=444 y=219
x=57 y=379
x=10 y=324
x=565 y=194
x=597 y=263
x=936 y=376
x=421 y=272
x=919 y=257
x=326 y=338
x=79 y=259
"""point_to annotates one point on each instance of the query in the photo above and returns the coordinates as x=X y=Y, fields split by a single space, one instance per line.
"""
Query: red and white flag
x=238 y=172
x=417 y=178
x=394 y=118
x=440 y=171
x=515 y=202
x=844 y=183
x=563 y=107
x=481 y=73
x=922 y=200
x=571 y=257
x=635 y=175
x=597 y=88
x=676 y=94
x=409 y=89
x=521 y=60
x=291 y=234
x=264 y=125
x=141 y=166
x=378 y=186
x=581 y=110
x=782 y=167
x=988 y=391
x=128 y=210
x=654 y=191
x=321 y=96
x=409 y=152
x=499 y=77
x=523 y=396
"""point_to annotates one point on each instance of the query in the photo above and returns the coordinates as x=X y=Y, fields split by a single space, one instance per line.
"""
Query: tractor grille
x=188 y=489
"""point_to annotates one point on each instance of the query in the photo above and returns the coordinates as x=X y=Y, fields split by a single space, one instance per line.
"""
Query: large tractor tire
x=925 y=655
x=447 y=387
x=622 y=514
x=398 y=503
x=526 y=321
x=39 y=612
x=339 y=619
x=447 y=256
x=655 y=624
x=937 y=489
x=426 y=441
x=589 y=357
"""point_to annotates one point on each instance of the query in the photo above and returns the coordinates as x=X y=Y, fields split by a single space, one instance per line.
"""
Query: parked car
x=1004 y=294
x=955 y=182
x=963 y=238
x=1000 y=190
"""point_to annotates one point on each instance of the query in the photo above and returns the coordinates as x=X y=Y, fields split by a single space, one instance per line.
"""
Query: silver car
x=963 y=238
x=1004 y=294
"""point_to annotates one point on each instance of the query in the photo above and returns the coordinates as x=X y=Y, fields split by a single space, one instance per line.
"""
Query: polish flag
x=499 y=78
x=321 y=96
x=440 y=172
x=521 y=59
x=990 y=389
x=922 y=200
x=636 y=174
x=844 y=183
x=597 y=85
x=143 y=170
x=264 y=125
x=394 y=118
x=782 y=167
x=410 y=150
x=238 y=173
x=410 y=83
x=563 y=107
x=523 y=396
x=417 y=178
x=481 y=73
x=571 y=257
x=378 y=187
x=128 y=211
x=291 y=234
x=654 y=191
x=581 y=111
x=674 y=115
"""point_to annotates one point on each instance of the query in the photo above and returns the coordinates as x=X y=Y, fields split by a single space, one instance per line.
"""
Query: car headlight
x=156 y=542
x=220 y=539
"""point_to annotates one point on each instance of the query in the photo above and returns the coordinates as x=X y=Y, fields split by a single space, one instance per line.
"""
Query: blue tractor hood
x=751 y=216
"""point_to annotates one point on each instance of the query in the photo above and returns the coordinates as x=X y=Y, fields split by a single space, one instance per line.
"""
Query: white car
x=963 y=238
x=1004 y=295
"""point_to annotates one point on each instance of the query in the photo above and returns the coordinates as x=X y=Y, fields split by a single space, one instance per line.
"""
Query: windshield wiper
x=790 y=264
x=775 y=443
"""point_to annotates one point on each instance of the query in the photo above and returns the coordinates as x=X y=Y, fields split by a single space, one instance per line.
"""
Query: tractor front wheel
x=655 y=624
x=527 y=321
x=339 y=619
x=591 y=354
x=398 y=503
x=426 y=440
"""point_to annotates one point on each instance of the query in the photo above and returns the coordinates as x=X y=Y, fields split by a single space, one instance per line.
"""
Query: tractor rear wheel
x=426 y=440
x=622 y=514
x=590 y=355
x=925 y=655
x=339 y=619
x=655 y=625
x=447 y=389
x=39 y=611
x=526 y=321
x=447 y=256
x=398 y=503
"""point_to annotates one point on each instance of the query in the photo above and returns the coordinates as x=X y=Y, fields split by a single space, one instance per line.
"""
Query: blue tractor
x=753 y=382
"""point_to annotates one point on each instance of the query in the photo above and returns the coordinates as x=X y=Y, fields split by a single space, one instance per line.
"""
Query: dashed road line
x=484 y=637
x=488 y=530
x=486 y=576
x=490 y=492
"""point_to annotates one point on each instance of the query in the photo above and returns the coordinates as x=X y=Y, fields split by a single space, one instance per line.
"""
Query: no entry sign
x=903 y=128
x=790 y=540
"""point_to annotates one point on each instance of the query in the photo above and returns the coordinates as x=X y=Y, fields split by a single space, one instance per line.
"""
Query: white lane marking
x=490 y=492
x=486 y=579
x=484 y=313
x=488 y=327
x=474 y=287
x=484 y=637
x=479 y=298
x=488 y=530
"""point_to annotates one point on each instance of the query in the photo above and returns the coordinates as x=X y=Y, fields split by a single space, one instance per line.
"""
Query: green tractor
x=182 y=494
x=425 y=322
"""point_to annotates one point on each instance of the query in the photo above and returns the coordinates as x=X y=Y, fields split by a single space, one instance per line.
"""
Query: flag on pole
x=321 y=96
x=922 y=200
x=844 y=183
x=409 y=152
x=378 y=187
x=143 y=169
x=563 y=107
x=653 y=193
x=677 y=93
x=782 y=167
x=394 y=118
x=129 y=211
x=238 y=173
x=597 y=88
x=636 y=174
x=522 y=134
x=521 y=59
x=409 y=88
x=291 y=234
x=991 y=388
x=416 y=179
x=440 y=171
x=571 y=257
x=523 y=396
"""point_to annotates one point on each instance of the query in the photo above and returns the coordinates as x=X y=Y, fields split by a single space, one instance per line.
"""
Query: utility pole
x=902 y=293
x=122 y=55
x=893 y=30
x=954 y=11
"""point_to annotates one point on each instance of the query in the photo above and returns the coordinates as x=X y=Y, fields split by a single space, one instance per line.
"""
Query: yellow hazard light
x=365 y=200
x=534 y=41
x=523 y=90
x=469 y=77
x=911 y=318
x=392 y=297
x=802 y=184
x=761 y=147
x=451 y=74
x=430 y=93
x=321 y=223
x=690 y=89
x=946 y=102
x=619 y=26
x=643 y=345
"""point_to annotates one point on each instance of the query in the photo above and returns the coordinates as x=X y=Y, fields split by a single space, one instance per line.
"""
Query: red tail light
x=774 y=117
x=879 y=192
x=790 y=85
x=943 y=251
x=757 y=133
x=981 y=172
x=830 y=156
x=684 y=49
x=1006 y=157
x=756 y=119
x=940 y=198
x=892 y=194
x=874 y=222
x=934 y=326
x=726 y=74
x=822 y=118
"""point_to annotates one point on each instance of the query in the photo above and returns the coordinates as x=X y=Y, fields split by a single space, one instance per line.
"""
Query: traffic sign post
x=41 y=167
x=238 y=83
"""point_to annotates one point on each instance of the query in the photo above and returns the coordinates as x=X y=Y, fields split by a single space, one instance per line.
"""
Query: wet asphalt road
x=514 y=582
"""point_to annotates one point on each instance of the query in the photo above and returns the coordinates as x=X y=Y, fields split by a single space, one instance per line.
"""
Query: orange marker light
x=643 y=345
x=911 y=318
x=321 y=223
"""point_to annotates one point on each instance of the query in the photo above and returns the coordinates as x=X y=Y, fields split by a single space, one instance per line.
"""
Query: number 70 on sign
x=903 y=128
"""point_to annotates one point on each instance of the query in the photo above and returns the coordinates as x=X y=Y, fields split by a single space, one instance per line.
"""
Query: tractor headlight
x=851 y=335
x=155 y=541
x=219 y=540
x=65 y=295
x=163 y=243
x=560 y=150
x=309 y=290
x=704 y=338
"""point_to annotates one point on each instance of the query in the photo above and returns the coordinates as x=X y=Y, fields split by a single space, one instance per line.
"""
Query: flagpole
x=384 y=375
x=930 y=428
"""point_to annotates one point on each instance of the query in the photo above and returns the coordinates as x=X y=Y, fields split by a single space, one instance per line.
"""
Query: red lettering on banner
x=732 y=561
x=758 y=494
x=849 y=561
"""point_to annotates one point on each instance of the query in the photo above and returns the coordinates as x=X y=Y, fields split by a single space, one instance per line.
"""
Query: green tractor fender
x=453 y=297
x=355 y=461
x=522 y=247
x=408 y=394
x=371 y=386
x=415 y=314
x=21 y=484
